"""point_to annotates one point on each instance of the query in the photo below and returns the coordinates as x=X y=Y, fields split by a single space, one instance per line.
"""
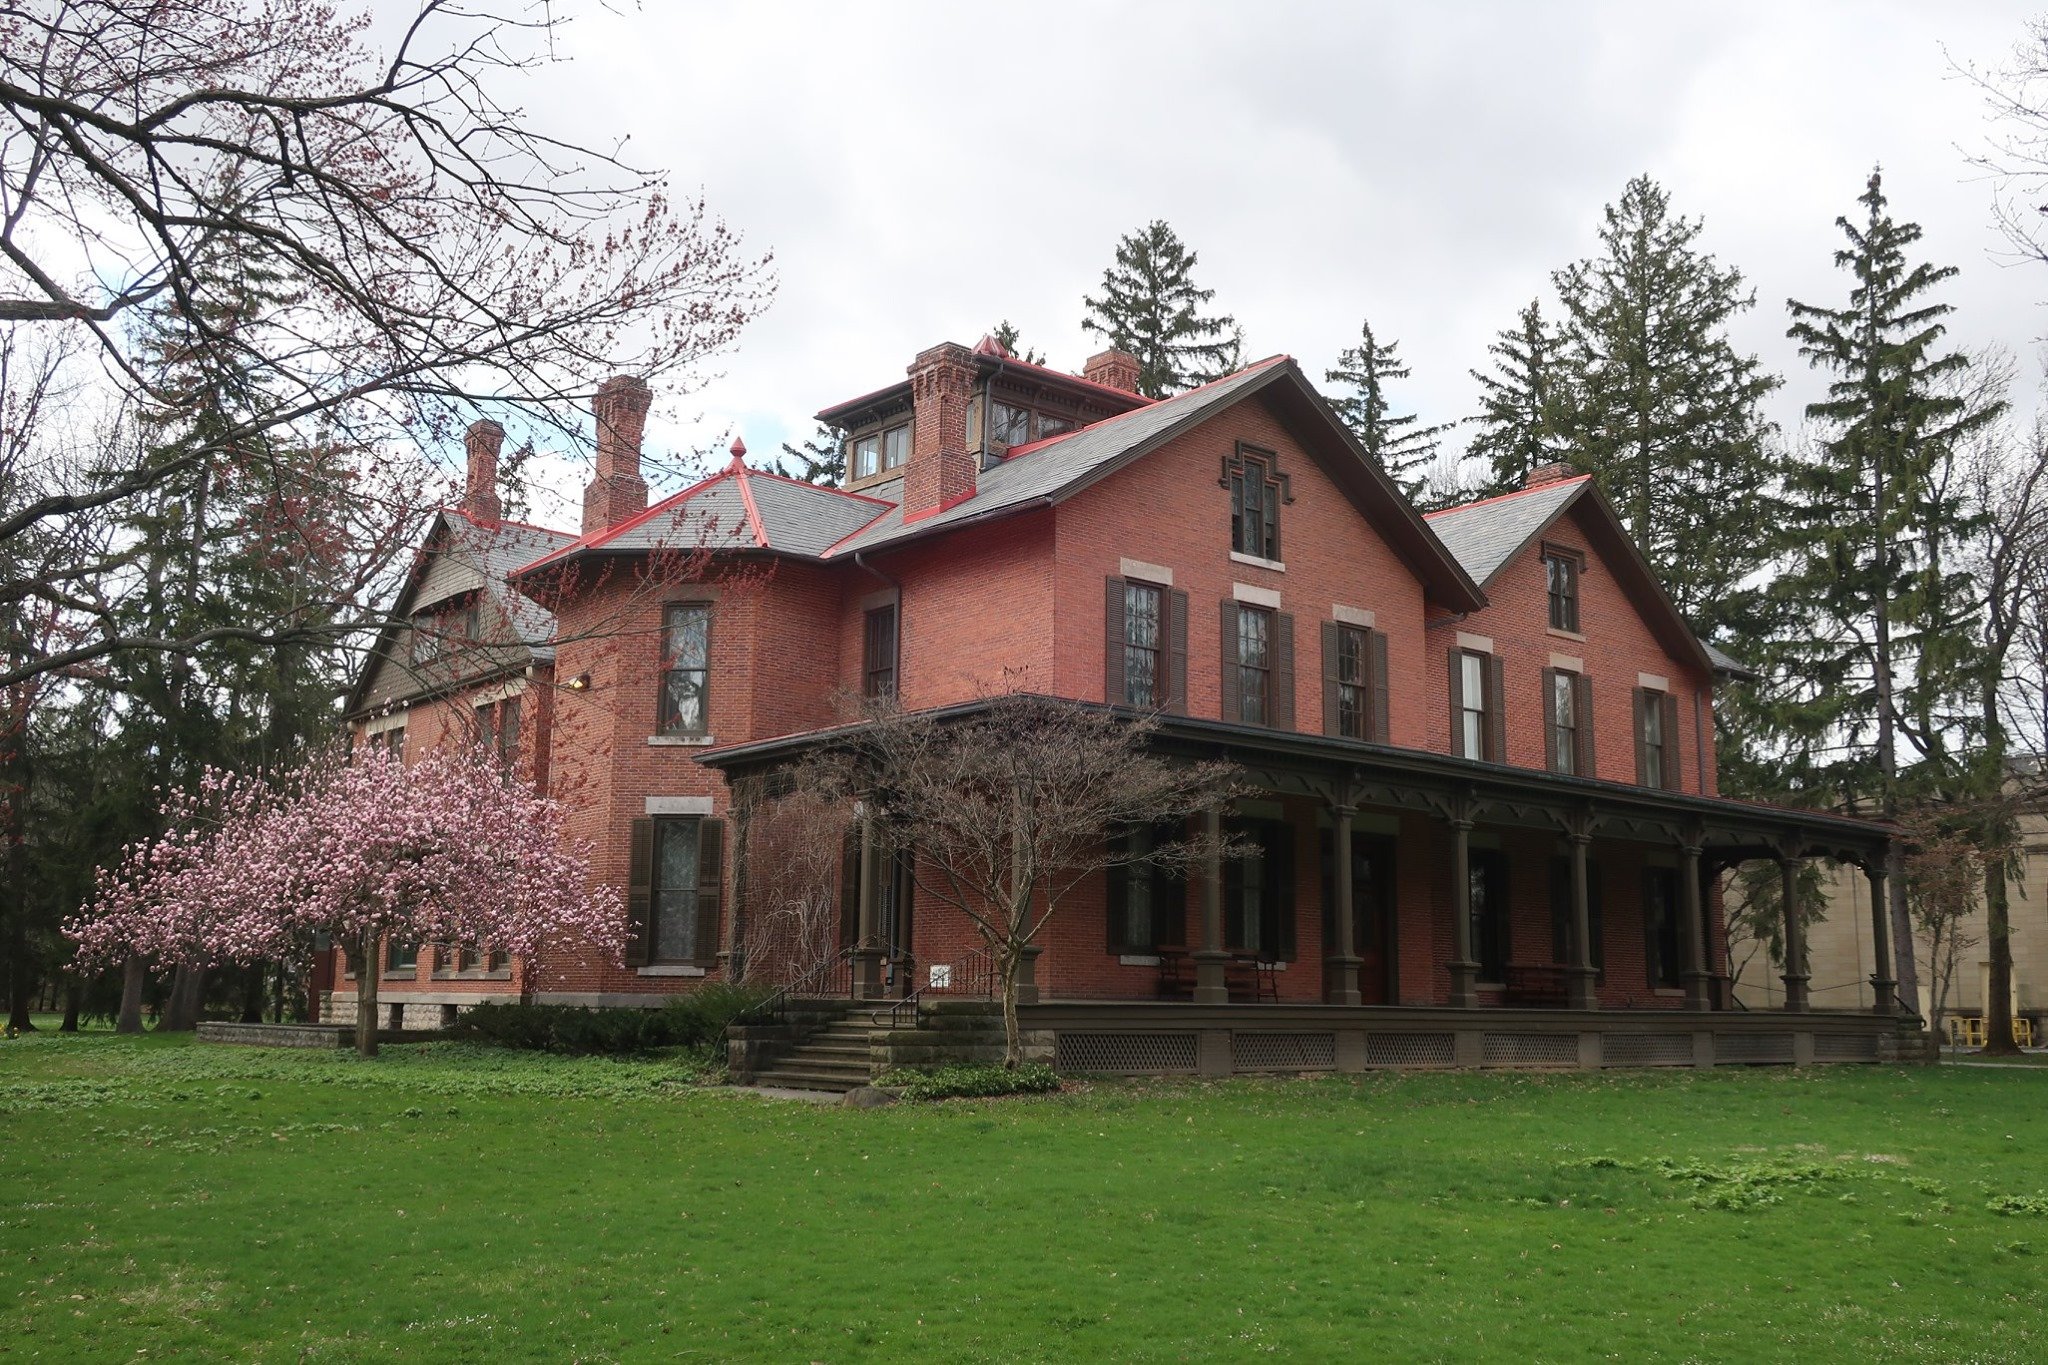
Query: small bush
x=978 y=1081
x=695 y=1020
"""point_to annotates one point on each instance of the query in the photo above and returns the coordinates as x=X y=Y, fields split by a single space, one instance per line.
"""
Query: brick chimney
x=1113 y=369
x=480 y=495
x=940 y=472
x=1547 y=473
x=617 y=491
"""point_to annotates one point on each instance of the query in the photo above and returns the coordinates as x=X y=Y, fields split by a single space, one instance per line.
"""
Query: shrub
x=974 y=1081
x=695 y=1020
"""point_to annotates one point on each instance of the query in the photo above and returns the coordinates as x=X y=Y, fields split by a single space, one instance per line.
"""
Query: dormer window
x=1009 y=425
x=879 y=452
x=1257 y=488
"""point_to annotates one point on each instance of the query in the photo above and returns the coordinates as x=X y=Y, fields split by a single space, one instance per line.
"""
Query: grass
x=447 y=1203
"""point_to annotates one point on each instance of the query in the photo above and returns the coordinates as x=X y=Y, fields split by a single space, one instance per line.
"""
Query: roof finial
x=739 y=453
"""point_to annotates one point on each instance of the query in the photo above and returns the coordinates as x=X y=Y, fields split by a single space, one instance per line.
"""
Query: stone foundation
x=278 y=1035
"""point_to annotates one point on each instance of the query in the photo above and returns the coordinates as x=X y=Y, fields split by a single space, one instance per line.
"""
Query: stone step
x=808 y=1080
x=823 y=1048
x=830 y=1060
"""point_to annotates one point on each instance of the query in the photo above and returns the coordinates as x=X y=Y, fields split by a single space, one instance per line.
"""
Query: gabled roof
x=990 y=358
x=459 y=556
x=1048 y=472
x=1488 y=534
x=738 y=508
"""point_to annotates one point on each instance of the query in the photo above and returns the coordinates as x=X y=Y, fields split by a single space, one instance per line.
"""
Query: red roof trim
x=946 y=506
x=1503 y=497
x=739 y=473
x=833 y=548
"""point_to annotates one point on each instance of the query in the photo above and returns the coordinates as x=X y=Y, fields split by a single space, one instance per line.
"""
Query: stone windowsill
x=1669 y=992
x=1137 y=960
x=1240 y=557
x=673 y=969
x=680 y=741
x=401 y=975
x=505 y=975
x=1566 y=634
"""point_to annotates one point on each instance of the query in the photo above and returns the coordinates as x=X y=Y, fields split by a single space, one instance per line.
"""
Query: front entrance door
x=1372 y=910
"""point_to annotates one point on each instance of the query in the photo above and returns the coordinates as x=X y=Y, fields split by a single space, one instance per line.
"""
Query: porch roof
x=1355 y=773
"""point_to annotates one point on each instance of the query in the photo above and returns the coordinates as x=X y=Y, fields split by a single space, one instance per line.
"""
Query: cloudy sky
x=923 y=170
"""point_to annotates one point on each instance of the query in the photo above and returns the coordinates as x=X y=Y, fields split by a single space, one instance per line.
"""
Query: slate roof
x=1037 y=472
x=497 y=553
x=1482 y=536
x=738 y=508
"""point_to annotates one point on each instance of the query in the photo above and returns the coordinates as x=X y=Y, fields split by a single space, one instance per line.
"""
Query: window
x=1489 y=873
x=685 y=669
x=1372 y=899
x=1656 y=738
x=426 y=638
x=1009 y=425
x=388 y=743
x=1144 y=645
x=1561 y=912
x=401 y=956
x=1561 y=575
x=1353 y=664
x=498 y=729
x=1254 y=665
x=677 y=903
x=878 y=653
x=1471 y=709
x=1660 y=925
x=1564 y=720
x=473 y=617
x=879 y=452
x=1258 y=892
x=1255 y=496
x=1147 y=902
x=1049 y=425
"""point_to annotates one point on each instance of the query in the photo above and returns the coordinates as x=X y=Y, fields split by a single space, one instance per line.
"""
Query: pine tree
x=1151 y=308
x=1517 y=416
x=820 y=460
x=1656 y=403
x=1007 y=337
x=1405 y=451
x=1880 y=646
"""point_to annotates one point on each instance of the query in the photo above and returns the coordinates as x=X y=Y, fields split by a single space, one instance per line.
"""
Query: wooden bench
x=1542 y=987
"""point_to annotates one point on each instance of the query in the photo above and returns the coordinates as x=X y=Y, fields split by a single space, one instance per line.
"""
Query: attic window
x=1257 y=488
x=1009 y=425
x=880 y=452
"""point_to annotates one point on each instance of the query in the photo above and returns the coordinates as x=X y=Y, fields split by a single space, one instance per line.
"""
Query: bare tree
x=794 y=847
x=430 y=253
x=1011 y=805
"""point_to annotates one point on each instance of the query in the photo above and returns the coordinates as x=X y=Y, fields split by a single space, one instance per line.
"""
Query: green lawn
x=443 y=1203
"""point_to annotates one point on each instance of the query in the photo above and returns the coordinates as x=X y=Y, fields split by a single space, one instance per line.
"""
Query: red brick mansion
x=1486 y=829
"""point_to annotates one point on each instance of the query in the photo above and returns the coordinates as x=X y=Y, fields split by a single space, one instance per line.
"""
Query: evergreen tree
x=1879 y=648
x=1405 y=451
x=1151 y=308
x=1655 y=402
x=820 y=460
x=1007 y=337
x=1517 y=417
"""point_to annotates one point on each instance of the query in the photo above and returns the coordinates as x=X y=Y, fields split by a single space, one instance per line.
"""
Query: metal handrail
x=777 y=1004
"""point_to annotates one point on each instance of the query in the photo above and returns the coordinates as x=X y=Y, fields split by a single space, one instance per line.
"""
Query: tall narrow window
x=1489 y=873
x=1256 y=492
x=878 y=653
x=1354 y=701
x=498 y=729
x=1144 y=644
x=1147 y=902
x=1656 y=744
x=895 y=447
x=685 y=669
x=866 y=461
x=1564 y=720
x=1258 y=892
x=1561 y=574
x=1254 y=665
x=1471 y=717
x=675 y=890
x=1660 y=925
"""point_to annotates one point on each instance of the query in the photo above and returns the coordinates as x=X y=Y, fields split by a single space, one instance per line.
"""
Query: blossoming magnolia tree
x=446 y=849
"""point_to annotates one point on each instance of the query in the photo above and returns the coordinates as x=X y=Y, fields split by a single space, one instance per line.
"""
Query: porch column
x=1693 y=970
x=1882 y=982
x=1796 y=976
x=1210 y=988
x=1582 y=981
x=1340 y=965
x=867 y=947
x=1464 y=971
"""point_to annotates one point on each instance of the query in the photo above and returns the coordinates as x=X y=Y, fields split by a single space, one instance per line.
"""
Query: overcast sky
x=921 y=171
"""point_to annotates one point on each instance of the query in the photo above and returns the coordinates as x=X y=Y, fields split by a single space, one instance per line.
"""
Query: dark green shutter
x=1582 y=707
x=1113 y=686
x=1496 y=709
x=1177 y=636
x=710 y=886
x=1550 y=719
x=1333 y=709
x=1455 y=666
x=640 y=894
x=1282 y=717
x=849 y=888
x=1376 y=674
x=1233 y=704
x=1639 y=701
x=1672 y=778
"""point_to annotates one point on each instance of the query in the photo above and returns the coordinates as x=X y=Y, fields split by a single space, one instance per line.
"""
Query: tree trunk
x=252 y=994
x=1013 y=1052
x=1998 y=1040
x=74 y=1001
x=188 y=999
x=366 y=994
x=132 y=976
